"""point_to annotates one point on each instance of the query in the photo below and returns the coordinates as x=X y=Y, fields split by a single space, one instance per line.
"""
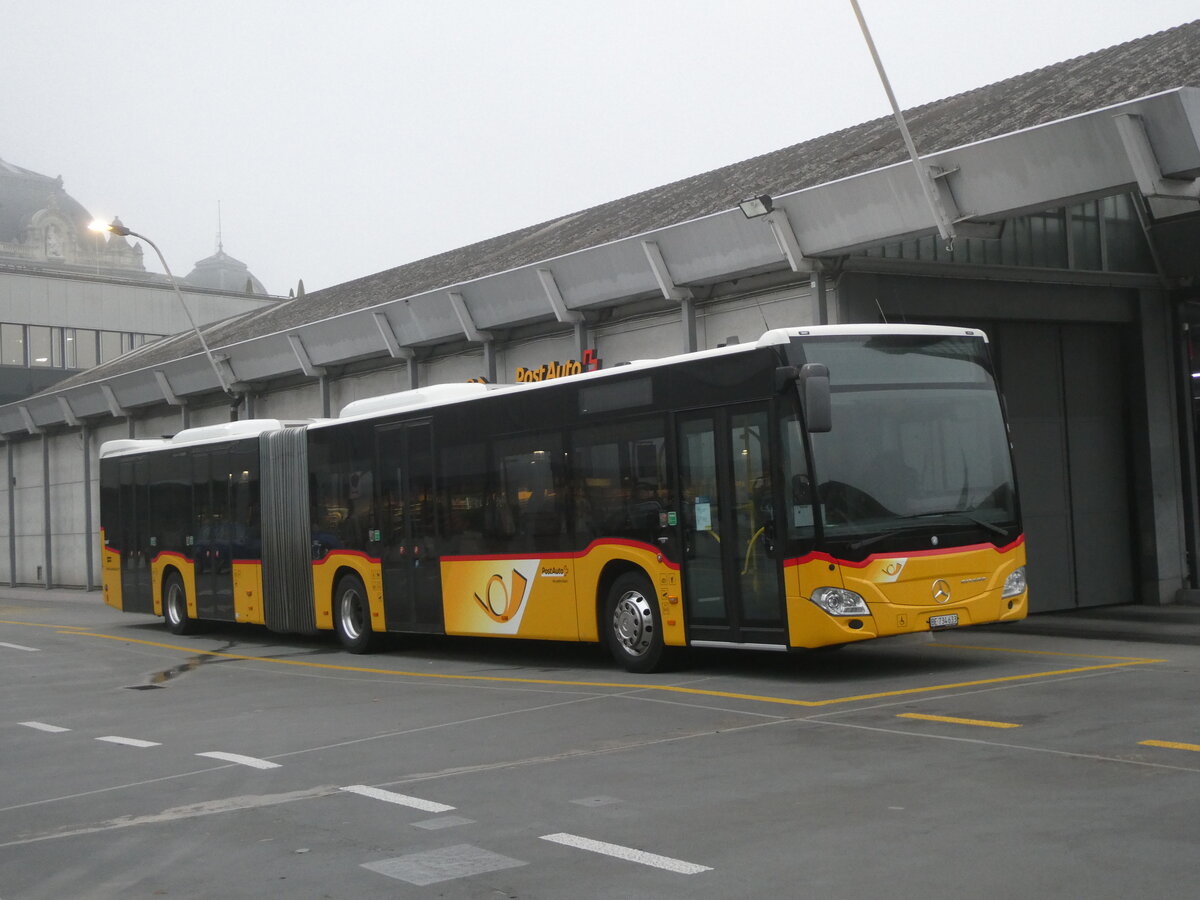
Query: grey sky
x=343 y=139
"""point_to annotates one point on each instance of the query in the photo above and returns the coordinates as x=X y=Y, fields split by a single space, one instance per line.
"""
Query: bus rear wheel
x=175 y=611
x=632 y=625
x=352 y=615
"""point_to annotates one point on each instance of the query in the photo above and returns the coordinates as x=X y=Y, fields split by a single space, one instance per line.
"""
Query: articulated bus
x=820 y=486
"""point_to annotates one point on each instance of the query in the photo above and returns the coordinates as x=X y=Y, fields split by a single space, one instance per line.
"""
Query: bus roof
x=441 y=394
x=204 y=434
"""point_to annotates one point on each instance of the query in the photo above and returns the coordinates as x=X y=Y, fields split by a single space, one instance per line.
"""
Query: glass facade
x=1098 y=236
x=49 y=346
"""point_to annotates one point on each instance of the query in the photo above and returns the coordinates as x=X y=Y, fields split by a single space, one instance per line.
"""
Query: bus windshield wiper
x=874 y=539
x=964 y=514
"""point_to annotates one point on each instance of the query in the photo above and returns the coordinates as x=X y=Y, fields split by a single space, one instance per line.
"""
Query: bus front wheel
x=175 y=610
x=352 y=615
x=632 y=624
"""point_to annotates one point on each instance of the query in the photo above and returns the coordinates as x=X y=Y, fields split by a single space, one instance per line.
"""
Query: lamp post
x=116 y=227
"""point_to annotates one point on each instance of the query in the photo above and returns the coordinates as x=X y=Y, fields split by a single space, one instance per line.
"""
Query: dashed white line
x=42 y=726
x=20 y=647
x=627 y=853
x=128 y=742
x=251 y=761
x=401 y=799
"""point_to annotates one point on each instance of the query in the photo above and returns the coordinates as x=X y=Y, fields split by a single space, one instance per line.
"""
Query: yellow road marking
x=952 y=720
x=1039 y=652
x=1171 y=745
x=664 y=688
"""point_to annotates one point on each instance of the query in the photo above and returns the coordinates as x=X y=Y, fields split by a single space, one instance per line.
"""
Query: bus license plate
x=949 y=620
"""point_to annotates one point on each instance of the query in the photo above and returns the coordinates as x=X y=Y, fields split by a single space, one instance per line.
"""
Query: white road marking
x=128 y=742
x=401 y=799
x=251 y=761
x=42 y=726
x=627 y=853
x=20 y=647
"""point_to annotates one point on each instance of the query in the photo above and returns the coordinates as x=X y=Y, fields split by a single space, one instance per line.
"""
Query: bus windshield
x=918 y=441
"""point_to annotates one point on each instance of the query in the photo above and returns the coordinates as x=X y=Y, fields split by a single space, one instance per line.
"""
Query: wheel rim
x=633 y=623
x=351 y=614
x=174 y=612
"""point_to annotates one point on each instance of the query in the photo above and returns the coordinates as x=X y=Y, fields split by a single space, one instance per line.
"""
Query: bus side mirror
x=813 y=387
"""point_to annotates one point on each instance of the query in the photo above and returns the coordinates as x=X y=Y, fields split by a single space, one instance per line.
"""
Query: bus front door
x=731 y=577
x=134 y=543
x=405 y=535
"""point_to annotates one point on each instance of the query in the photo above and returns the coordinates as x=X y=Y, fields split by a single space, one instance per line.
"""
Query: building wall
x=56 y=299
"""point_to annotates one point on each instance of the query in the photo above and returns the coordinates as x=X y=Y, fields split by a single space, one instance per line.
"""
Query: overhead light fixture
x=757 y=206
x=118 y=228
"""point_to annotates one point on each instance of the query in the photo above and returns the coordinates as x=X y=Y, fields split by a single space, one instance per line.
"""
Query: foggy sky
x=344 y=139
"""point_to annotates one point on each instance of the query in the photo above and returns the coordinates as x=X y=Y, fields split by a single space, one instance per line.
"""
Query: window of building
x=110 y=345
x=12 y=344
x=80 y=351
x=45 y=345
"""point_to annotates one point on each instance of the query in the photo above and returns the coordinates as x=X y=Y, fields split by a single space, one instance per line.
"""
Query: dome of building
x=41 y=224
x=224 y=273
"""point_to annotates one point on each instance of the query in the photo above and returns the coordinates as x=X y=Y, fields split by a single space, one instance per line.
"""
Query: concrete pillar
x=89 y=537
x=12 y=517
x=687 y=315
x=46 y=523
x=326 y=401
x=1158 y=481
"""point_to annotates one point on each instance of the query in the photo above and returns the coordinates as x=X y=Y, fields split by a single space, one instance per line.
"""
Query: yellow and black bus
x=820 y=486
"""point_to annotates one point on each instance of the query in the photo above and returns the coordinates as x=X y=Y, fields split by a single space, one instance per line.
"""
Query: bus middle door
x=406 y=527
x=731 y=577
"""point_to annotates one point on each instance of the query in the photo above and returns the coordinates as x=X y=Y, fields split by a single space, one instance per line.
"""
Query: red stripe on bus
x=572 y=554
x=336 y=553
x=821 y=556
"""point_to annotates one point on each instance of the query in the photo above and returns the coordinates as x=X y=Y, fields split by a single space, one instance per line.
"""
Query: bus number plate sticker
x=947 y=621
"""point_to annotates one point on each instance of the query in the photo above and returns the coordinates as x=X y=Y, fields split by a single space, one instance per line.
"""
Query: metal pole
x=178 y=293
x=939 y=218
x=47 y=537
x=89 y=533
x=12 y=520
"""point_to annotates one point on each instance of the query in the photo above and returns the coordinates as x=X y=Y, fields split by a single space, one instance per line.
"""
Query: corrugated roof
x=1137 y=68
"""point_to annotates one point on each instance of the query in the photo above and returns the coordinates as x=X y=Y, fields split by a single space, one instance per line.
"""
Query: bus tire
x=632 y=624
x=174 y=606
x=352 y=615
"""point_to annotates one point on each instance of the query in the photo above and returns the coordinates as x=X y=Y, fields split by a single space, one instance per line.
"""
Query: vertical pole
x=12 y=519
x=46 y=537
x=89 y=532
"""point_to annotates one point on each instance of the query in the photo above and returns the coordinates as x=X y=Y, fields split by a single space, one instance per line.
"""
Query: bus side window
x=464 y=489
x=527 y=501
x=621 y=485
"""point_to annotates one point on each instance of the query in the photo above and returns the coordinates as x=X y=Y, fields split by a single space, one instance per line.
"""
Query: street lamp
x=116 y=227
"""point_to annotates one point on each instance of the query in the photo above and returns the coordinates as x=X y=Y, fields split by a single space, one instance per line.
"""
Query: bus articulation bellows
x=820 y=486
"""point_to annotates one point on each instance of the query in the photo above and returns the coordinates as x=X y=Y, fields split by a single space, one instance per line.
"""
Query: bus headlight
x=840 y=602
x=1015 y=584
